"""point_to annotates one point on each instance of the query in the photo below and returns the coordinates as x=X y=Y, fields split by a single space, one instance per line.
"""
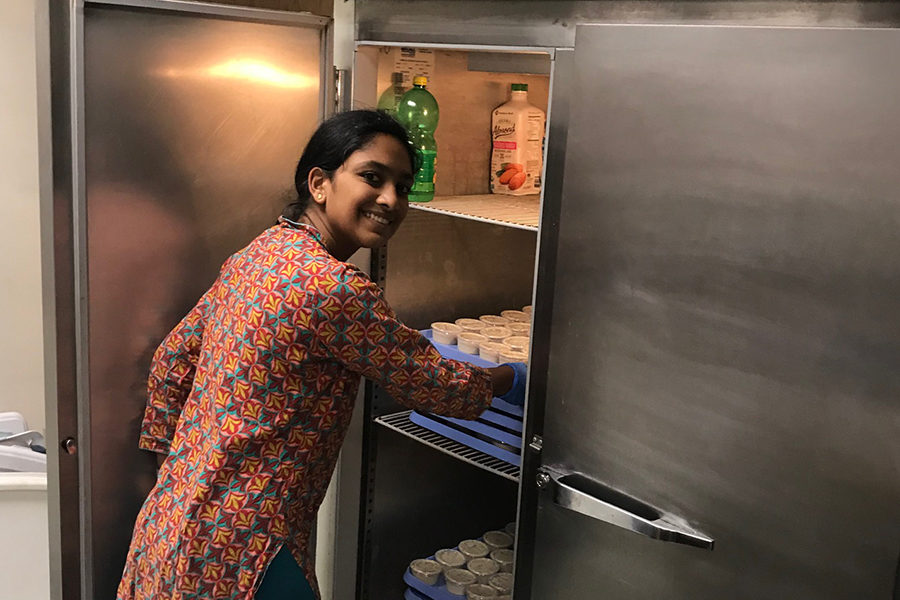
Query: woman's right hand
x=509 y=382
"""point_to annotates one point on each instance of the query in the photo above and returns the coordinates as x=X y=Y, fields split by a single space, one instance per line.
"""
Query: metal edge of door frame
x=66 y=309
x=58 y=297
x=550 y=50
x=243 y=13
x=80 y=293
x=558 y=107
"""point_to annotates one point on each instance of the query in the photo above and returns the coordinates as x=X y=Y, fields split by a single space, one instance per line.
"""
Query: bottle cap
x=520 y=87
x=420 y=80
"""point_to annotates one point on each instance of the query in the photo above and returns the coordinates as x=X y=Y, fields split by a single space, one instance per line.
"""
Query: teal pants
x=284 y=580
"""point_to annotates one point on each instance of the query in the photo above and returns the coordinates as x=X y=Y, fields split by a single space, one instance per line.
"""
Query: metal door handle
x=574 y=491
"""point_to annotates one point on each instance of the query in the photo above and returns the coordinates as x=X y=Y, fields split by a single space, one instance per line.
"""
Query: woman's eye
x=371 y=178
x=404 y=189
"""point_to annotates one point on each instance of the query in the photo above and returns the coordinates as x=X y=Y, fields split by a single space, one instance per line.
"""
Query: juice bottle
x=517 y=136
x=418 y=113
x=390 y=98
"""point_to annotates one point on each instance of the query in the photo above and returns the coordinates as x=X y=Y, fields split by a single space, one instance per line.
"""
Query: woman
x=251 y=394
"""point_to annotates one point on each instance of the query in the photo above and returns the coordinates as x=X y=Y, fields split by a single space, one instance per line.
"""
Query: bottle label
x=426 y=173
x=424 y=181
x=517 y=150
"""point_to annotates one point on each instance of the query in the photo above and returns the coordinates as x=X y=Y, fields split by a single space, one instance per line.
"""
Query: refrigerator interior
x=465 y=254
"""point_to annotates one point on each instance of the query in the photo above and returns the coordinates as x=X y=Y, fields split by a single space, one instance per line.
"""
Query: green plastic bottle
x=418 y=113
x=390 y=98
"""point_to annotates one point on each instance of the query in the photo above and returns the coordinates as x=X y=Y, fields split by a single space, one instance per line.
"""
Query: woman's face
x=366 y=199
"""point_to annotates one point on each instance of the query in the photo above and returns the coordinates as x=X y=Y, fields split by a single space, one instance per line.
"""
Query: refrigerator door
x=189 y=121
x=722 y=415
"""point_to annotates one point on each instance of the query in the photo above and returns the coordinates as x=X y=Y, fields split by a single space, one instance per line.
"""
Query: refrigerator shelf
x=521 y=212
x=400 y=423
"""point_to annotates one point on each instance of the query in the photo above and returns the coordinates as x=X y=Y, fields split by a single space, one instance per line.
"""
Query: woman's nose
x=389 y=196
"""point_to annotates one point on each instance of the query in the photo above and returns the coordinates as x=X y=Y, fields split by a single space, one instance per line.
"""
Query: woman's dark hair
x=335 y=140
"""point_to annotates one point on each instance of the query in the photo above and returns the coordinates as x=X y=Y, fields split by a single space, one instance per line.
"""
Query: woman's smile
x=377 y=217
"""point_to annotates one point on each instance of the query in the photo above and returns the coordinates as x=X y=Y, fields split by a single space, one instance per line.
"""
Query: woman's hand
x=509 y=382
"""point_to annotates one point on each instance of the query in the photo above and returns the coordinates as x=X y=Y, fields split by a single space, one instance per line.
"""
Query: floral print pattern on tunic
x=250 y=396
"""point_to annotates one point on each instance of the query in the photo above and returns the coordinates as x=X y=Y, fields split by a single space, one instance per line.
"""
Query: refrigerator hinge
x=341 y=97
x=537 y=443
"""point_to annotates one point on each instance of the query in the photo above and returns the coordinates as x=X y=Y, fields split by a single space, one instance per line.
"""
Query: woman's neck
x=315 y=218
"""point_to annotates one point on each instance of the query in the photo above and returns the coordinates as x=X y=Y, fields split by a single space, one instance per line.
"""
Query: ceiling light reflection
x=256 y=71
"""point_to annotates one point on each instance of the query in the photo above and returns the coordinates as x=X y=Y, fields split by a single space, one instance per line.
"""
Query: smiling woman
x=251 y=394
x=353 y=181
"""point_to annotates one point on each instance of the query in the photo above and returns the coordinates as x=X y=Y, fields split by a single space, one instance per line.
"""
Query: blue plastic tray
x=431 y=592
x=411 y=594
x=497 y=432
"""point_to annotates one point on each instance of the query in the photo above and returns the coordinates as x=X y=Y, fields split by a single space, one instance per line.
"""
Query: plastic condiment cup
x=516 y=315
x=510 y=528
x=458 y=580
x=472 y=549
x=475 y=325
x=494 y=320
x=519 y=328
x=469 y=341
x=496 y=334
x=498 y=539
x=479 y=591
x=450 y=559
x=483 y=568
x=504 y=557
x=445 y=333
x=502 y=582
x=425 y=570
x=508 y=355
x=518 y=342
x=490 y=351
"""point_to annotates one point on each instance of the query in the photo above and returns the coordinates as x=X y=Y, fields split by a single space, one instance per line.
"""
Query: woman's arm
x=171 y=378
x=355 y=326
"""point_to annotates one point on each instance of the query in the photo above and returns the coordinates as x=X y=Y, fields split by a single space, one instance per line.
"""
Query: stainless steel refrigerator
x=714 y=395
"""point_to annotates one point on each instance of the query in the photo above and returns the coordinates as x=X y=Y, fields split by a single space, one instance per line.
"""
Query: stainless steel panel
x=192 y=128
x=541 y=23
x=442 y=268
x=725 y=338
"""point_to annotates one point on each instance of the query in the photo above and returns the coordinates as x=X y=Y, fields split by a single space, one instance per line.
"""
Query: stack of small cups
x=478 y=569
x=497 y=338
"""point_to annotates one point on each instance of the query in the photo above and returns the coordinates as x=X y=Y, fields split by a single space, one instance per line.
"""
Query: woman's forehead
x=386 y=150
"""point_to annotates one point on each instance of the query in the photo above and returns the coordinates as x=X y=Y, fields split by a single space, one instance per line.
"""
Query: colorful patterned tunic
x=251 y=395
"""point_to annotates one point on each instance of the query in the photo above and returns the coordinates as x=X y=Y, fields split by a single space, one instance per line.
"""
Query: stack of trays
x=497 y=432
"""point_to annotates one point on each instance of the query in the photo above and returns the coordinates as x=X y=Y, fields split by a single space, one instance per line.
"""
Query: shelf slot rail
x=400 y=423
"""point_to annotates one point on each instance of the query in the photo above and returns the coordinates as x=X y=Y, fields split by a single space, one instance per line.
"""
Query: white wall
x=21 y=342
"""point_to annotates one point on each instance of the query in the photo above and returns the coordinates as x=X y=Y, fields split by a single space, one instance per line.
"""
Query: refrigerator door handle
x=576 y=492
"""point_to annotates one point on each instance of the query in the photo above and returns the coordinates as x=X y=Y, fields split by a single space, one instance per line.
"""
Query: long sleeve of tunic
x=252 y=394
x=172 y=377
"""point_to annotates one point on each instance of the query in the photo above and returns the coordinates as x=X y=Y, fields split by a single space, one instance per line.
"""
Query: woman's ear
x=318 y=181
